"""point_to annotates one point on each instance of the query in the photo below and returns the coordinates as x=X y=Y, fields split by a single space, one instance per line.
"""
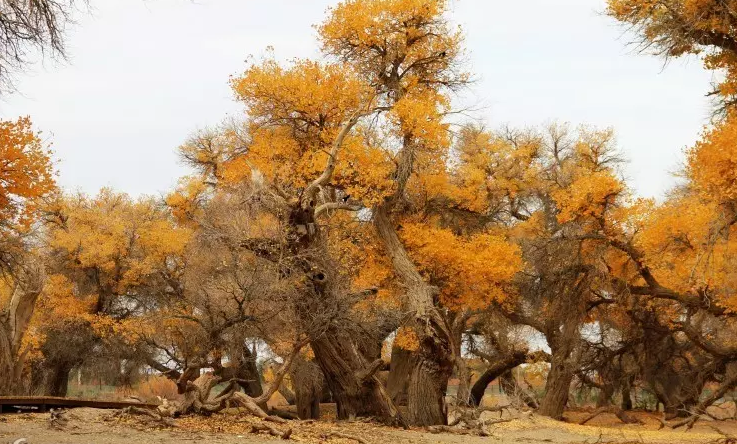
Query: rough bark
x=356 y=392
x=398 y=378
x=557 y=389
x=308 y=382
x=433 y=362
x=14 y=321
x=498 y=368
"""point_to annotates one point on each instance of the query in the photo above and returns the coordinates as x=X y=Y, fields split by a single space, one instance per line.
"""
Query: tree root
x=154 y=417
x=621 y=414
x=273 y=431
x=345 y=436
x=726 y=438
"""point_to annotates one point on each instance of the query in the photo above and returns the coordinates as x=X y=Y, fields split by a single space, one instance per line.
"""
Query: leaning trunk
x=557 y=388
x=433 y=360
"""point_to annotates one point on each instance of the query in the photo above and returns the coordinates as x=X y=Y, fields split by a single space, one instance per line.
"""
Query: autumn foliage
x=350 y=239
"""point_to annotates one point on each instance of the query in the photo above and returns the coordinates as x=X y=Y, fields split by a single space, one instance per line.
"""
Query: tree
x=112 y=260
x=674 y=28
x=26 y=26
x=26 y=178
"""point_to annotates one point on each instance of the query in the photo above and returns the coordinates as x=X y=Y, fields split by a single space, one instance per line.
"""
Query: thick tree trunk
x=356 y=389
x=308 y=382
x=399 y=371
x=428 y=385
x=14 y=321
x=557 y=388
x=57 y=382
x=432 y=363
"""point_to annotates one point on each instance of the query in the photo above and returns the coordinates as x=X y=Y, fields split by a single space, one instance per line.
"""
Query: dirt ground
x=91 y=426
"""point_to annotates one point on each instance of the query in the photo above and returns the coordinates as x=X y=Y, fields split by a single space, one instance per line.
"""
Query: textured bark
x=557 y=389
x=308 y=382
x=432 y=363
x=428 y=384
x=354 y=392
x=14 y=321
x=398 y=378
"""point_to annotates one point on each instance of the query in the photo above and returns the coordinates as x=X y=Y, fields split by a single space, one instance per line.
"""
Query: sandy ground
x=95 y=426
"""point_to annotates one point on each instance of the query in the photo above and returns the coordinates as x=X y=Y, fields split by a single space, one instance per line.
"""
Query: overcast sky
x=143 y=74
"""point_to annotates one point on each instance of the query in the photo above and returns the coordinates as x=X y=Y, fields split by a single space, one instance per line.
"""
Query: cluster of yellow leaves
x=377 y=34
x=472 y=271
x=123 y=239
x=26 y=172
x=688 y=249
x=712 y=162
x=491 y=169
x=587 y=196
x=407 y=339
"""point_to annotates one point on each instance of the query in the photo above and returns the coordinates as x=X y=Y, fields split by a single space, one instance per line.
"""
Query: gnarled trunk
x=557 y=388
x=356 y=389
x=14 y=321
x=432 y=362
x=398 y=378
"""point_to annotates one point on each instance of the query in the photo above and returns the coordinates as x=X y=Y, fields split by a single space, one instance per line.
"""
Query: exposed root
x=621 y=414
x=345 y=436
x=273 y=431
x=152 y=417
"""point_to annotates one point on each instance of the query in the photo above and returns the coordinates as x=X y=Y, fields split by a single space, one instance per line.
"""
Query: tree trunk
x=497 y=369
x=557 y=388
x=463 y=396
x=626 y=396
x=308 y=382
x=14 y=321
x=398 y=379
x=433 y=361
x=57 y=380
x=356 y=389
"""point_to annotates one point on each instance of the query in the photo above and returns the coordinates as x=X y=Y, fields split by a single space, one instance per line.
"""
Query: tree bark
x=497 y=369
x=557 y=388
x=308 y=382
x=14 y=321
x=356 y=392
x=398 y=380
x=432 y=363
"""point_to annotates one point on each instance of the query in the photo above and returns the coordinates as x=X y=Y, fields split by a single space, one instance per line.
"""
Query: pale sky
x=143 y=74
